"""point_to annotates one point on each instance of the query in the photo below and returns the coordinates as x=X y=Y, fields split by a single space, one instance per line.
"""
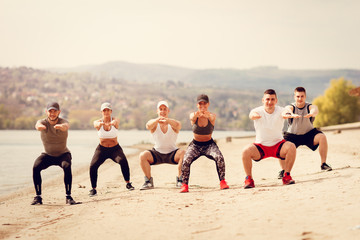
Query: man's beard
x=54 y=119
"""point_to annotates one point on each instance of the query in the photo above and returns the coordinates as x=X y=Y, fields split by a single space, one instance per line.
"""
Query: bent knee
x=289 y=146
x=320 y=137
x=145 y=156
x=66 y=165
x=248 y=150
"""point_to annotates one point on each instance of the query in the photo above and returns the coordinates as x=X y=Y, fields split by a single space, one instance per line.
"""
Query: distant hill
x=254 y=79
x=134 y=89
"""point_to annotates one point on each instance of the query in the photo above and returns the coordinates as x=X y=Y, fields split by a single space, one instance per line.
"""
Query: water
x=20 y=148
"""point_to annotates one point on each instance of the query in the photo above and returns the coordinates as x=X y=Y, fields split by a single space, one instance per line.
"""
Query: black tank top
x=208 y=129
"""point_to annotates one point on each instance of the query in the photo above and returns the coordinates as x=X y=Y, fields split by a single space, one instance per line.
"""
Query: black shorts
x=304 y=139
x=160 y=158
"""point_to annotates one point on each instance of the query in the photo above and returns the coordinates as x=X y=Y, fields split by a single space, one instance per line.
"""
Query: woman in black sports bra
x=203 y=123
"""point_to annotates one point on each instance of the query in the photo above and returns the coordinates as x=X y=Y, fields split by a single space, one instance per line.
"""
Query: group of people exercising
x=270 y=142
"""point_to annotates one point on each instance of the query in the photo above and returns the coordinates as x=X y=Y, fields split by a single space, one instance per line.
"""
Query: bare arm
x=254 y=115
x=62 y=127
x=210 y=116
x=313 y=111
x=115 y=122
x=152 y=124
x=98 y=124
x=175 y=124
x=39 y=126
x=288 y=113
x=193 y=116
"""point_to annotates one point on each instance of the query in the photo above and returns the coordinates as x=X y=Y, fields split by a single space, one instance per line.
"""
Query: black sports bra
x=208 y=129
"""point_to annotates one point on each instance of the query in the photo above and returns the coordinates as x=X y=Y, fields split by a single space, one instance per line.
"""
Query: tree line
x=25 y=92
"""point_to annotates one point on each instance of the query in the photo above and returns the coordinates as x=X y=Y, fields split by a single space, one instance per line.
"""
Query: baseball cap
x=163 y=103
x=53 y=105
x=203 y=98
x=105 y=105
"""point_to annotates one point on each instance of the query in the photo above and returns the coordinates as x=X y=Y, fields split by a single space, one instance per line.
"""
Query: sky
x=199 y=34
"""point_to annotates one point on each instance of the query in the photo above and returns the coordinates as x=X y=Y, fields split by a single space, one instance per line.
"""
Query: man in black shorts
x=164 y=131
x=54 y=133
x=301 y=130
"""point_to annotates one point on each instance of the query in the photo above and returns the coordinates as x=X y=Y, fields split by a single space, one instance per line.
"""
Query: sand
x=321 y=205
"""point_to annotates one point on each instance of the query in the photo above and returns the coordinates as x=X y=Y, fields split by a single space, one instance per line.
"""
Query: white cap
x=105 y=105
x=162 y=103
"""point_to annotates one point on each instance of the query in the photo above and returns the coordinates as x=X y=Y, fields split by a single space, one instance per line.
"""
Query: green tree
x=336 y=106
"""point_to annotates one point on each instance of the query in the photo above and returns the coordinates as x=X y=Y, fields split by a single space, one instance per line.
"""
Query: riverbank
x=321 y=205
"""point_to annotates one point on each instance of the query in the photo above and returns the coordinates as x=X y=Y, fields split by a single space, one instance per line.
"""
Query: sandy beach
x=321 y=205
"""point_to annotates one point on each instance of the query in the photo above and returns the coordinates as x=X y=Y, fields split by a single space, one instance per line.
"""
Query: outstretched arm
x=193 y=116
x=175 y=125
x=39 y=126
x=313 y=111
x=210 y=116
x=152 y=124
x=288 y=113
x=62 y=127
x=254 y=115
x=115 y=122
x=98 y=124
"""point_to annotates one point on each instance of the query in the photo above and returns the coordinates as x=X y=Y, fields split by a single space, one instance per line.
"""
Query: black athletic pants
x=44 y=161
x=101 y=154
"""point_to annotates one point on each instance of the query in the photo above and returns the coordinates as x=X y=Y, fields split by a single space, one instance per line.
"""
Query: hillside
x=255 y=79
x=135 y=89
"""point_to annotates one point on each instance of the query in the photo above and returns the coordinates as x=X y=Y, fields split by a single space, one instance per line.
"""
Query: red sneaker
x=287 y=180
x=249 y=182
x=223 y=184
x=184 y=188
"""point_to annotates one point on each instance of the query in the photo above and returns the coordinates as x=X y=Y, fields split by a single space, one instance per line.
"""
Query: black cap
x=203 y=98
x=53 y=105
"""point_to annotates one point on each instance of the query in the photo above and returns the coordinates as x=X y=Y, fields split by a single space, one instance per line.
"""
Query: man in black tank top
x=300 y=128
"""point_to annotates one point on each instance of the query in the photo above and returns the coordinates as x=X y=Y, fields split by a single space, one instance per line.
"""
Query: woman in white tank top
x=109 y=147
x=107 y=127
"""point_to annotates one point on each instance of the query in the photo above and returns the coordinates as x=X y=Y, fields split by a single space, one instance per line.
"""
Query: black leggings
x=101 y=154
x=44 y=161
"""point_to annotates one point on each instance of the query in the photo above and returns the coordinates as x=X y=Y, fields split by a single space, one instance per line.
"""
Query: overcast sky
x=242 y=34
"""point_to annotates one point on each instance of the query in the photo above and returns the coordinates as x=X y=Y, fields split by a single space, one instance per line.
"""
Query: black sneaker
x=70 y=200
x=281 y=174
x=129 y=186
x=92 y=192
x=37 y=200
x=325 y=167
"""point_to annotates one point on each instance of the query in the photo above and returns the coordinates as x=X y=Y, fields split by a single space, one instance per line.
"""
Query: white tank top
x=165 y=142
x=112 y=133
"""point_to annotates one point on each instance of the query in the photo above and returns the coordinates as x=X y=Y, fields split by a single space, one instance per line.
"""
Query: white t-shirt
x=165 y=142
x=269 y=127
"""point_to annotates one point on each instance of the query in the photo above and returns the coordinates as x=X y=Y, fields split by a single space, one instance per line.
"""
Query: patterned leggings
x=197 y=149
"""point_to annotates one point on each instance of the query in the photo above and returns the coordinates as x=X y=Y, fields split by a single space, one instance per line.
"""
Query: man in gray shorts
x=301 y=130
x=164 y=131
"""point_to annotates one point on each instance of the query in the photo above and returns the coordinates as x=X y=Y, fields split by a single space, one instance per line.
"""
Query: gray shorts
x=160 y=158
